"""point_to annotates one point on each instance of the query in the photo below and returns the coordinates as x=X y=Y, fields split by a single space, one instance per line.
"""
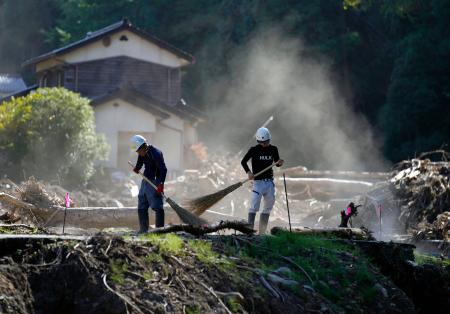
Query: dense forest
x=389 y=59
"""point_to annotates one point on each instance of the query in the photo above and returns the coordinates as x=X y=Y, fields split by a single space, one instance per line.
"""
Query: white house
x=134 y=82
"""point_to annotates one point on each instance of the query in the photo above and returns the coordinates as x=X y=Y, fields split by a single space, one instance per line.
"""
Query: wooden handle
x=262 y=171
x=146 y=179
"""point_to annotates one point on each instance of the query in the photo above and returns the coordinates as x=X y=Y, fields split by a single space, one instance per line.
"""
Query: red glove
x=136 y=170
x=160 y=188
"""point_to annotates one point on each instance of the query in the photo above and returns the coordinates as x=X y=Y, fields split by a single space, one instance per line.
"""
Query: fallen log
x=110 y=217
x=345 y=233
x=300 y=172
x=202 y=230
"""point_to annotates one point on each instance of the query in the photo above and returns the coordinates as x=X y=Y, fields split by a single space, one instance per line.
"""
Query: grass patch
x=427 y=259
x=167 y=243
x=334 y=267
x=193 y=309
x=118 y=268
x=153 y=258
x=234 y=305
x=204 y=252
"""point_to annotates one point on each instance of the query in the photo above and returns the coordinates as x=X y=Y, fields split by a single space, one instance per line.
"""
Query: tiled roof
x=11 y=83
x=113 y=28
x=151 y=104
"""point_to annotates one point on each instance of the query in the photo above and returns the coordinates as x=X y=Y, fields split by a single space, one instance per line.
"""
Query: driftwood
x=202 y=230
x=300 y=172
x=15 y=202
x=345 y=233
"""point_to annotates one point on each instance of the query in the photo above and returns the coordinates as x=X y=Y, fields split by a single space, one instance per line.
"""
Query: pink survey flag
x=68 y=200
x=378 y=210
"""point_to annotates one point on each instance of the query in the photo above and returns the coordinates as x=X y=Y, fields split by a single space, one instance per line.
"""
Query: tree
x=50 y=134
x=415 y=117
x=22 y=27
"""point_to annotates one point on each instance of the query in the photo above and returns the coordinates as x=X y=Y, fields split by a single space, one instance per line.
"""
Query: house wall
x=98 y=77
x=118 y=120
x=169 y=138
x=117 y=115
x=135 y=47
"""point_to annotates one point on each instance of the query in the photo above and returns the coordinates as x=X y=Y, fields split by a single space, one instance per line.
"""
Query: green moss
x=167 y=243
x=147 y=275
x=234 y=305
x=118 y=268
x=153 y=258
x=196 y=309
x=204 y=252
x=427 y=259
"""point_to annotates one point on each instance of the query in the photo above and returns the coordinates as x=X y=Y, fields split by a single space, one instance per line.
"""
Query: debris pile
x=422 y=188
x=416 y=200
x=34 y=192
x=33 y=201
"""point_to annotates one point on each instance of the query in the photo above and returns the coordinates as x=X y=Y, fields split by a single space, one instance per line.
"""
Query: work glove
x=250 y=175
x=160 y=188
x=136 y=170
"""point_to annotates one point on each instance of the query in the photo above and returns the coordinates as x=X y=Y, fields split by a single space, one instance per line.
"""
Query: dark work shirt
x=261 y=157
x=155 y=168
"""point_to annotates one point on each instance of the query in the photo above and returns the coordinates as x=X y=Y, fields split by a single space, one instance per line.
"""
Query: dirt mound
x=183 y=274
x=15 y=292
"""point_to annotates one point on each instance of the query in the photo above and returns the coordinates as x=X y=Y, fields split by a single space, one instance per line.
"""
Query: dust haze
x=312 y=124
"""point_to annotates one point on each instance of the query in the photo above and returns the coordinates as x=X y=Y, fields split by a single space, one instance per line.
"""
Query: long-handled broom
x=199 y=205
x=185 y=215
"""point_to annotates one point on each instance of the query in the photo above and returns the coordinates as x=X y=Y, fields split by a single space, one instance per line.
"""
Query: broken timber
x=345 y=233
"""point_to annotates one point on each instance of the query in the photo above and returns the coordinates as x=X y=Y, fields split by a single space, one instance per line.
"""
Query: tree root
x=123 y=297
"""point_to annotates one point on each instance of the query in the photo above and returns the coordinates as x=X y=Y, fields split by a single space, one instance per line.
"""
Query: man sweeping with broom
x=155 y=170
x=262 y=155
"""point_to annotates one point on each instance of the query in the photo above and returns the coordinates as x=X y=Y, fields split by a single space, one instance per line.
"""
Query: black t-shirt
x=261 y=157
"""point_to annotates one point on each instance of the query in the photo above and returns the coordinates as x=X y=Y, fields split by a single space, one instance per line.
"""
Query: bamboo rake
x=199 y=205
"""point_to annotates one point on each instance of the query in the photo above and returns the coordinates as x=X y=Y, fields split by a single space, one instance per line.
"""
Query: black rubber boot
x=159 y=218
x=143 y=220
x=263 y=221
x=251 y=219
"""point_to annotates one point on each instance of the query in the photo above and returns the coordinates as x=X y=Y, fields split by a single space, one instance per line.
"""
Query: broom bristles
x=199 y=205
x=185 y=215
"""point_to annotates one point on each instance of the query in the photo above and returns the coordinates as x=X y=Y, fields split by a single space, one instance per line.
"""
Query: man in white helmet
x=262 y=156
x=155 y=171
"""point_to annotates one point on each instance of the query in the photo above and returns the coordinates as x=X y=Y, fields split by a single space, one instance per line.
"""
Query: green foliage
x=22 y=28
x=389 y=58
x=416 y=115
x=324 y=260
x=427 y=259
x=50 y=134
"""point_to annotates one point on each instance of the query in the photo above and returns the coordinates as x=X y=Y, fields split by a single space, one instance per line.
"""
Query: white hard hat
x=262 y=135
x=137 y=141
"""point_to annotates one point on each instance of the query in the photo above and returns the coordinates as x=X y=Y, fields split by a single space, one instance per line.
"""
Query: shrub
x=50 y=134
